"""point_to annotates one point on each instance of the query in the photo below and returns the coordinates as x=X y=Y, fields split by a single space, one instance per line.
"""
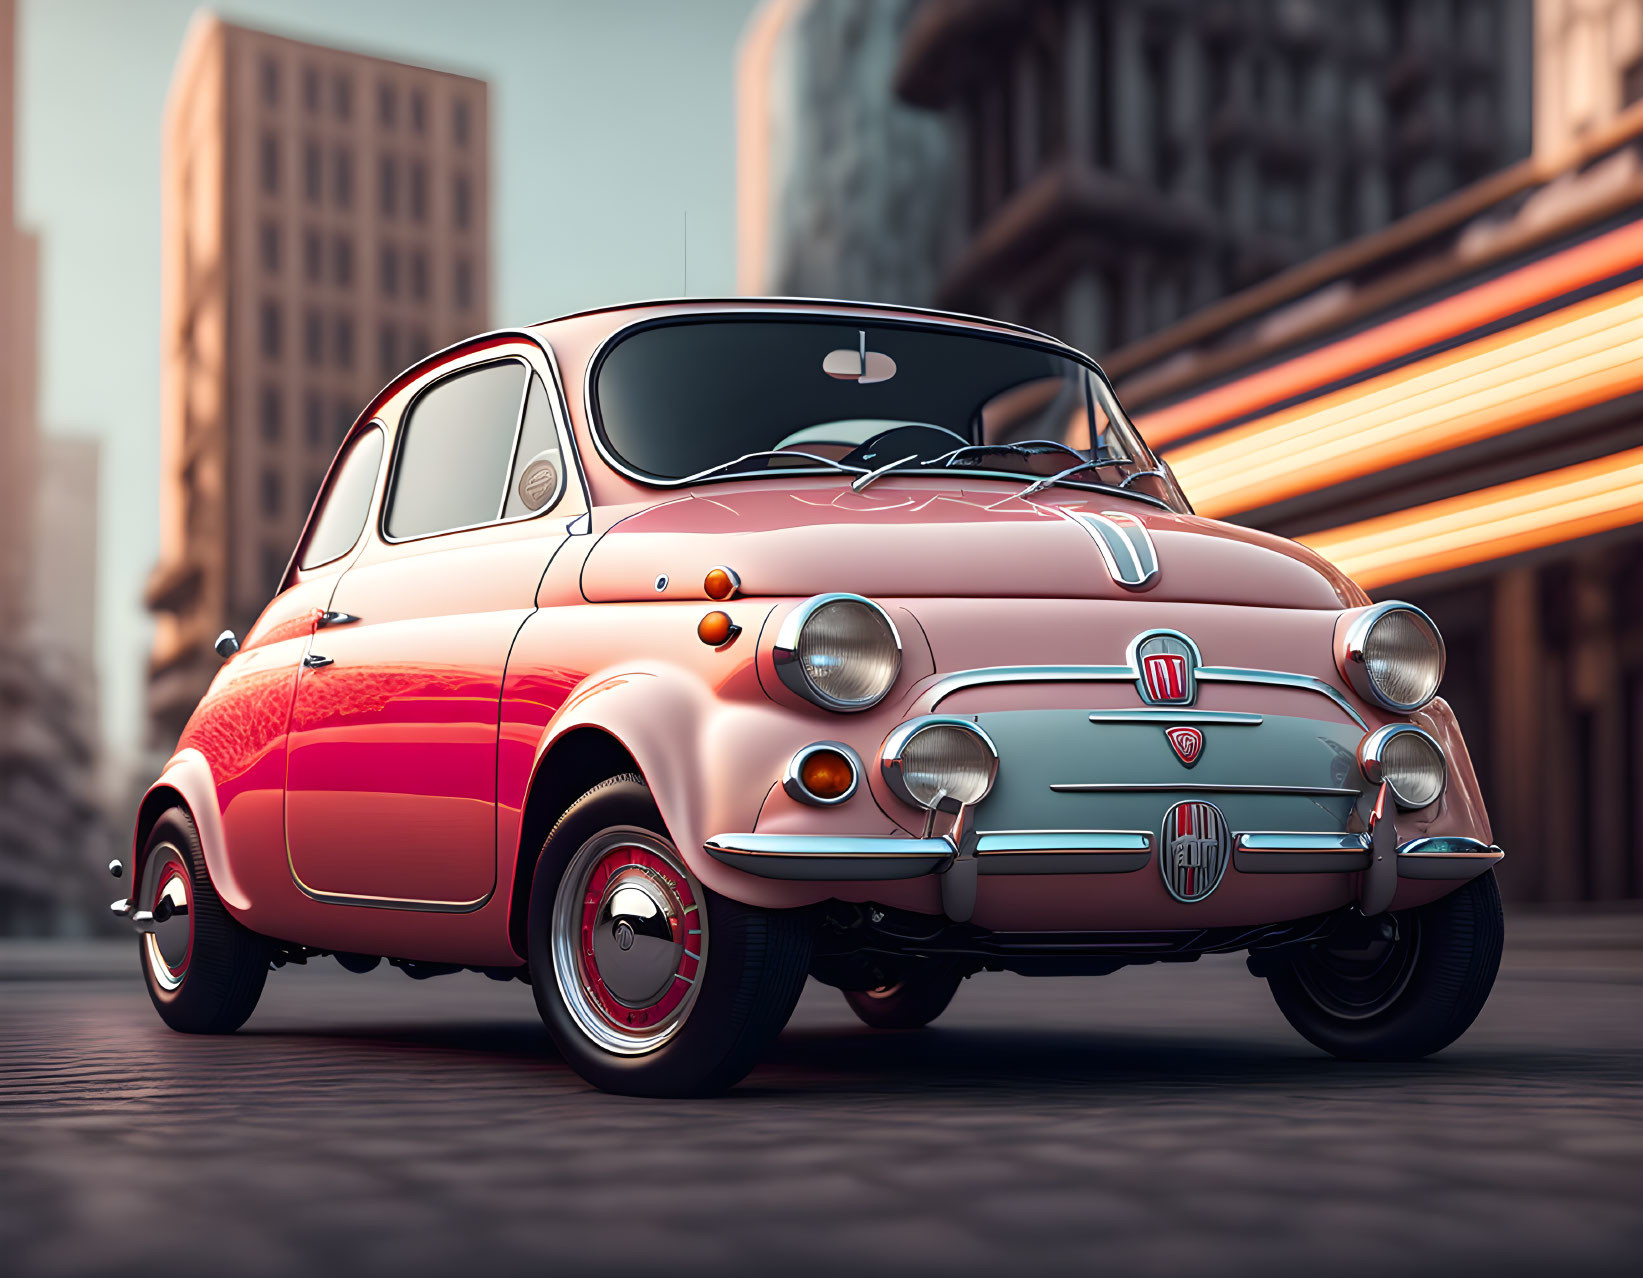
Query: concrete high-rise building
x=325 y=223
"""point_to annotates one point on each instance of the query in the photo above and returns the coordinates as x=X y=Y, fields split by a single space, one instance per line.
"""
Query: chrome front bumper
x=813 y=857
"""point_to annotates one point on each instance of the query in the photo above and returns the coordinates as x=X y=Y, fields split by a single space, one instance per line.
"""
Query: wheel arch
x=187 y=783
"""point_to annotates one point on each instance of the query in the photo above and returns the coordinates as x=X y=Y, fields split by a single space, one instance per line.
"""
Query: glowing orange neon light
x=1492 y=523
x=1551 y=277
x=1552 y=366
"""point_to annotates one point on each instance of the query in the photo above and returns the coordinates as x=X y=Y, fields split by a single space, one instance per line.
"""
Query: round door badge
x=537 y=482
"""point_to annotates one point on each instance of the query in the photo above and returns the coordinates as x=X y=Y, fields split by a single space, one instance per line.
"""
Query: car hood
x=909 y=540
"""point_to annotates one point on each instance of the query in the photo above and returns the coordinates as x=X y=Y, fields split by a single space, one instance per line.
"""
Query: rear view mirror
x=859 y=365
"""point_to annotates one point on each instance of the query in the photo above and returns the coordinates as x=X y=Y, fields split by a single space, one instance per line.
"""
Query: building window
x=271 y=414
x=389 y=272
x=344 y=419
x=270 y=82
x=459 y=122
x=418 y=345
x=269 y=330
x=342 y=177
x=388 y=350
x=419 y=111
x=464 y=283
x=270 y=166
x=268 y=240
x=344 y=342
x=342 y=97
x=313 y=338
x=388 y=186
x=419 y=276
x=313 y=420
x=342 y=261
x=311 y=171
x=310 y=89
x=273 y=568
x=271 y=494
x=419 y=191
x=387 y=105
x=311 y=255
x=462 y=202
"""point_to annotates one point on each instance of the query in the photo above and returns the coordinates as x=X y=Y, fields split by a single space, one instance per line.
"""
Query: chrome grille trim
x=1222 y=718
x=1085 y=787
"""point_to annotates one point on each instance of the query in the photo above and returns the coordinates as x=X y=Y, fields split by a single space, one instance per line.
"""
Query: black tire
x=750 y=970
x=217 y=985
x=1412 y=998
x=922 y=994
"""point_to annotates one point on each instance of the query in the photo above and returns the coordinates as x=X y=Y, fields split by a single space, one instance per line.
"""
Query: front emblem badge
x=1197 y=849
x=1188 y=744
x=1168 y=666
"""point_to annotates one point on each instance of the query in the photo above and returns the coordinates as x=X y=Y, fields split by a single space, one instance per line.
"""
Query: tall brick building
x=325 y=224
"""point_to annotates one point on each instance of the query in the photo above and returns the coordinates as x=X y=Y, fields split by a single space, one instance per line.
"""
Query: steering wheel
x=897 y=442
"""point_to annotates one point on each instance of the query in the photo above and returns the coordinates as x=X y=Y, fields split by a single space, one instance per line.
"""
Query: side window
x=538 y=470
x=345 y=504
x=454 y=451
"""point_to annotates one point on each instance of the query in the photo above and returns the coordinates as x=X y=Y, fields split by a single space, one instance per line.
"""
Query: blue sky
x=611 y=119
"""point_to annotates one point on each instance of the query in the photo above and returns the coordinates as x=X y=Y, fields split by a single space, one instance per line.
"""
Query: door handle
x=313 y=661
x=329 y=618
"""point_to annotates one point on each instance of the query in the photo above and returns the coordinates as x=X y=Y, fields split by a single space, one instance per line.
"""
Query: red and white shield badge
x=1188 y=744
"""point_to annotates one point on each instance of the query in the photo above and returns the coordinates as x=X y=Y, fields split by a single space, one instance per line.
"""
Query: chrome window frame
x=919 y=321
x=557 y=408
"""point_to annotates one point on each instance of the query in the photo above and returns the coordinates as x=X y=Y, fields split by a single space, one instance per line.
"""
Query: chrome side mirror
x=226 y=645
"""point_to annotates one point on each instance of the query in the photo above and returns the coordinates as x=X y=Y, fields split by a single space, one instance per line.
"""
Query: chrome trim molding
x=1355 y=670
x=1447 y=857
x=817 y=857
x=1016 y=842
x=890 y=757
x=1088 y=787
x=947 y=685
x=1373 y=746
x=1126 y=548
x=1299 y=852
x=1301 y=841
x=793 y=782
x=1221 y=718
x=785 y=653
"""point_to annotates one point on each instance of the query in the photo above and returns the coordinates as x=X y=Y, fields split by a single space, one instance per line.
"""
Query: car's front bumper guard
x=812 y=857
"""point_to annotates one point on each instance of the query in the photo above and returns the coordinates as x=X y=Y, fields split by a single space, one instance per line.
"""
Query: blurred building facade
x=842 y=189
x=52 y=828
x=1451 y=409
x=325 y=223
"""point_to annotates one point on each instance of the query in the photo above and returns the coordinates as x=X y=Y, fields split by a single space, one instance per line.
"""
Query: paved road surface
x=1159 y=1121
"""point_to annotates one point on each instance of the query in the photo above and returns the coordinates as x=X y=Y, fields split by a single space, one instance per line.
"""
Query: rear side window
x=343 y=506
x=454 y=452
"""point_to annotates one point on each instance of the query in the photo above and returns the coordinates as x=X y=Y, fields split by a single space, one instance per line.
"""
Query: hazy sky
x=611 y=118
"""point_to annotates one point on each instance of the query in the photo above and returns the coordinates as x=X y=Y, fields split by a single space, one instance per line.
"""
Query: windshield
x=719 y=398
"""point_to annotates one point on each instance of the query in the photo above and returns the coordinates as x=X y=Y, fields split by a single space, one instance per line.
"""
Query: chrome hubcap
x=165 y=892
x=629 y=939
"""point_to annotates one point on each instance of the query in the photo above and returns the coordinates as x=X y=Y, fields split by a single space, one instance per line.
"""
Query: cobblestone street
x=1161 y=1120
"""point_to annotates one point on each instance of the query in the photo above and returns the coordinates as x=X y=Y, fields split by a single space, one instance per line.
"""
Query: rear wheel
x=204 y=969
x=650 y=984
x=1400 y=997
x=922 y=993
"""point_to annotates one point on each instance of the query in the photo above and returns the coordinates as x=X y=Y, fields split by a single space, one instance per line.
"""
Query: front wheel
x=1400 y=997
x=650 y=984
x=204 y=969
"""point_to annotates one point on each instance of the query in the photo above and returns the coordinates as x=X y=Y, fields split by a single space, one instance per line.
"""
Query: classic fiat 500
x=665 y=656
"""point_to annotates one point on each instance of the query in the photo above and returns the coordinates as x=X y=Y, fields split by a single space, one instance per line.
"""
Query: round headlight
x=1393 y=656
x=840 y=651
x=1408 y=760
x=937 y=762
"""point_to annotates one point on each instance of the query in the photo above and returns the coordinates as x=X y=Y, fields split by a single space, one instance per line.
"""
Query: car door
x=391 y=767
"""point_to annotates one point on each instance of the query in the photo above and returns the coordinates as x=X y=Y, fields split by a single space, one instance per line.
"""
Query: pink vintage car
x=663 y=656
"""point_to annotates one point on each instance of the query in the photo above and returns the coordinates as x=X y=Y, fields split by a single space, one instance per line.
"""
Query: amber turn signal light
x=717 y=629
x=827 y=774
x=722 y=583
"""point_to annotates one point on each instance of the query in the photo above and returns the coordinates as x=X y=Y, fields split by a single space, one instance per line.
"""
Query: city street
x=1161 y=1120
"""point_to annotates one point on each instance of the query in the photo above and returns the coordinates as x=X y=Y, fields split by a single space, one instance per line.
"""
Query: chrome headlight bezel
x=1372 y=751
x=1354 y=657
x=895 y=748
x=790 y=669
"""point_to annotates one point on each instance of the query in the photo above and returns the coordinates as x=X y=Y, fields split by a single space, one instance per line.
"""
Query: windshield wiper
x=772 y=452
x=1025 y=447
x=1038 y=485
x=860 y=482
